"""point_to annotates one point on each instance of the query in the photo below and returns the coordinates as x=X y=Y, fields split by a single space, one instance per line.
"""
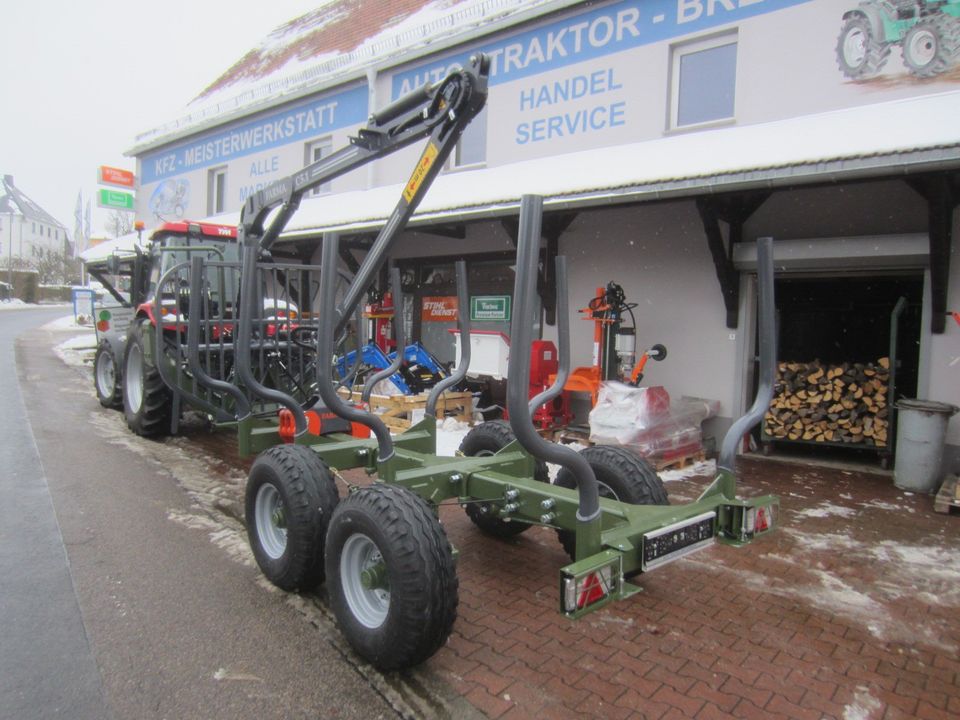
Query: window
x=472 y=146
x=317 y=150
x=217 y=190
x=703 y=83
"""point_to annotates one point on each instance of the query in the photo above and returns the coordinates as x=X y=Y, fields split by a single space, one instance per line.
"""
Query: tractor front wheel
x=622 y=476
x=391 y=577
x=147 y=401
x=290 y=498
x=106 y=377
x=485 y=440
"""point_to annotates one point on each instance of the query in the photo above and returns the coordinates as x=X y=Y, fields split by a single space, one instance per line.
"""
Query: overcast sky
x=79 y=79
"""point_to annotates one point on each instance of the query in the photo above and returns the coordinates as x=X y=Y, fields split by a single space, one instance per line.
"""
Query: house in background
x=26 y=229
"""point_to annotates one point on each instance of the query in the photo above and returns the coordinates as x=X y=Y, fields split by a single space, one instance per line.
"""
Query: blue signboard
x=603 y=31
x=299 y=122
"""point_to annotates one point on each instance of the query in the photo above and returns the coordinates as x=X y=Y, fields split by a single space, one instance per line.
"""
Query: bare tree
x=119 y=222
x=57 y=267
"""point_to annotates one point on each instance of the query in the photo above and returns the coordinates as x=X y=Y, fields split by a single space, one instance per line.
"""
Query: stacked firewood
x=830 y=403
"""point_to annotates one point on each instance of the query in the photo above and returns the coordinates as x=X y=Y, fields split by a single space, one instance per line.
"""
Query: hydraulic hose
x=518 y=368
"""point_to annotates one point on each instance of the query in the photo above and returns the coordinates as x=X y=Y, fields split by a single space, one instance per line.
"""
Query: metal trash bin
x=921 y=432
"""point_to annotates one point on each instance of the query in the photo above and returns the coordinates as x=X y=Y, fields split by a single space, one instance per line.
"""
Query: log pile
x=845 y=404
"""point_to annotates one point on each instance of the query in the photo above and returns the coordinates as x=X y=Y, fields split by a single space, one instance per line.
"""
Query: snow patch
x=863 y=707
x=827 y=509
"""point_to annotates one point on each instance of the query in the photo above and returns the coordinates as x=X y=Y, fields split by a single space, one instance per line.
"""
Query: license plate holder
x=675 y=541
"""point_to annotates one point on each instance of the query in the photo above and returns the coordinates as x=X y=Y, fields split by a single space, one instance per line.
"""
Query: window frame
x=212 y=175
x=308 y=151
x=454 y=162
x=678 y=51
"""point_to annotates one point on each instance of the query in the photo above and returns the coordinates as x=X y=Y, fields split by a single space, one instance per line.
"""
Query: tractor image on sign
x=928 y=33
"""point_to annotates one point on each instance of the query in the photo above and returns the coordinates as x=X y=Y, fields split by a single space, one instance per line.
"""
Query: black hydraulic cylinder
x=325 y=350
x=463 y=323
x=518 y=368
x=768 y=357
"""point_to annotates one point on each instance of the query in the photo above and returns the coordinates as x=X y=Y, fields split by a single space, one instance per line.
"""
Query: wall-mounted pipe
x=768 y=357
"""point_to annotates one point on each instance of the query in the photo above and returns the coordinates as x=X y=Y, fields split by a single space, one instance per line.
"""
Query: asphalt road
x=125 y=595
x=47 y=668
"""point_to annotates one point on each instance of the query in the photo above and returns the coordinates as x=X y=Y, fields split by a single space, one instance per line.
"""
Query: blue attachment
x=416 y=353
x=374 y=357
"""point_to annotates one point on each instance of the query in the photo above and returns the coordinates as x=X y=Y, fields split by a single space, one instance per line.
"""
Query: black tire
x=859 y=54
x=147 y=401
x=106 y=377
x=930 y=46
x=487 y=439
x=404 y=609
x=622 y=475
x=290 y=498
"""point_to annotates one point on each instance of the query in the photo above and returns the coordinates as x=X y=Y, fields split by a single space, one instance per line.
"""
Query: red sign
x=114 y=176
x=439 y=309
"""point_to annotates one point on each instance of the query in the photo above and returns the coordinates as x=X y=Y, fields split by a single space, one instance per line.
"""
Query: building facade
x=665 y=136
x=27 y=231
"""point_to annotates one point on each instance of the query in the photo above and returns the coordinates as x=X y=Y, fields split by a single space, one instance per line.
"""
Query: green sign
x=490 y=308
x=114 y=199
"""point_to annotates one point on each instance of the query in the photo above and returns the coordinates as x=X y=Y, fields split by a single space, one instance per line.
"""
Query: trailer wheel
x=147 y=401
x=485 y=440
x=622 y=475
x=859 y=54
x=391 y=577
x=290 y=497
x=106 y=377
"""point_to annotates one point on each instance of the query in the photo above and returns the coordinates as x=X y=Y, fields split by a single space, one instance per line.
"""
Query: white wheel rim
x=922 y=48
x=363 y=578
x=133 y=378
x=106 y=374
x=855 y=47
x=270 y=520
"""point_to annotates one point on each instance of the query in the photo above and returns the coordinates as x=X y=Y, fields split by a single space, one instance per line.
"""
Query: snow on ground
x=14 y=304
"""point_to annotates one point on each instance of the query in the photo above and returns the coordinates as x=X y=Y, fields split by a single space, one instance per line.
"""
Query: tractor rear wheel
x=147 y=401
x=859 y=54
x=485 y=440
x=290 y=497
x=391 y=577
x=931 y=46
x=106 y=377
x=622 y=476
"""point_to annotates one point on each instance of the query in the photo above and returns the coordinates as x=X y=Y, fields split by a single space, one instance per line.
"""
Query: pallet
x=949 y=495
x=679 y=462
x=400 y=412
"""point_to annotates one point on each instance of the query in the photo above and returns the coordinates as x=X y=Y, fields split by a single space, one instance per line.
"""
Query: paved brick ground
x=851 y=611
